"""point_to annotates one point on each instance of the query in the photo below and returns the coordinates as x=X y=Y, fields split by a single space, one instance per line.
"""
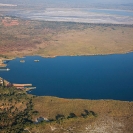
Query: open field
x=90 y=41
x=108 y=116
x=25 y=37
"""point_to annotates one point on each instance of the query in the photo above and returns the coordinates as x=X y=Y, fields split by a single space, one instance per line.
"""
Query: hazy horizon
x=67 y=1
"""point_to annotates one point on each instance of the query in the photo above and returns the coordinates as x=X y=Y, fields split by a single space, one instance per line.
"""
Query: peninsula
x=21 y=37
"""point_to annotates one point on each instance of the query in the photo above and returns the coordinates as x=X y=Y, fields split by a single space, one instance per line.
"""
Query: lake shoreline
x=48 y=68
x=4 y=65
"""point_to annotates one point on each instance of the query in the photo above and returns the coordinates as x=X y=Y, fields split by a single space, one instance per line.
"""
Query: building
x=1 y=81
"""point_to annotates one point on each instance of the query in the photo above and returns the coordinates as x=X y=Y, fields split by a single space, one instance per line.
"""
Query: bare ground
x=24 y=37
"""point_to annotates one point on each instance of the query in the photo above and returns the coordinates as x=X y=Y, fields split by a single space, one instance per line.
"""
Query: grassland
x=90 y=41
x=19 y=111
x=25 y=37
x=110 y=116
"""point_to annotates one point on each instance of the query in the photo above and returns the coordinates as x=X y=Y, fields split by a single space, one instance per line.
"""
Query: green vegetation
x=19 y=111
x=16 y=110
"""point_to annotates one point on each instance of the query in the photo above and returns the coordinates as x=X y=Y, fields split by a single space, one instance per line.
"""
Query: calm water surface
x=87 y=77
x=112 y=12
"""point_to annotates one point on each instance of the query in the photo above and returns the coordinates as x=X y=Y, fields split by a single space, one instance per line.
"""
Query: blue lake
x=111 y=12
x=86 y=77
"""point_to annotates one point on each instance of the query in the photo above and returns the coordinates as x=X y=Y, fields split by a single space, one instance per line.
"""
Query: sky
x=70 y=1
x=107 y=1
x=91 y=1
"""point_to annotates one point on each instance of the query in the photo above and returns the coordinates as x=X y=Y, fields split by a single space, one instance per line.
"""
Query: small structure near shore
x=41 y=119
x=4 y=82
x=26 y=87
x=21 y=85
x=1 y=81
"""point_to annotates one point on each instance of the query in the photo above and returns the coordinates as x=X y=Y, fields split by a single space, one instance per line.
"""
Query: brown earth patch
x=52 y=39
x=10 y=22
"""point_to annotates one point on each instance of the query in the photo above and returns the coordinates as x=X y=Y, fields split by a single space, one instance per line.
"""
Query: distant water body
x=82 y=15
x=86 y=77
x=111 y=12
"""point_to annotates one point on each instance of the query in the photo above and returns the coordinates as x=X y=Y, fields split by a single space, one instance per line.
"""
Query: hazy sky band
x=69 y=1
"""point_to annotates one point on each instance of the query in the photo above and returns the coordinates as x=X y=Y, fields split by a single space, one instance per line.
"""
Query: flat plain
x=29 y=37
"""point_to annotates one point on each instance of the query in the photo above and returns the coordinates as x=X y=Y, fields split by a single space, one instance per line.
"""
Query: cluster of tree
x=85 y=114
x=88 y=113
x=60 y=117
x=12 y=118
